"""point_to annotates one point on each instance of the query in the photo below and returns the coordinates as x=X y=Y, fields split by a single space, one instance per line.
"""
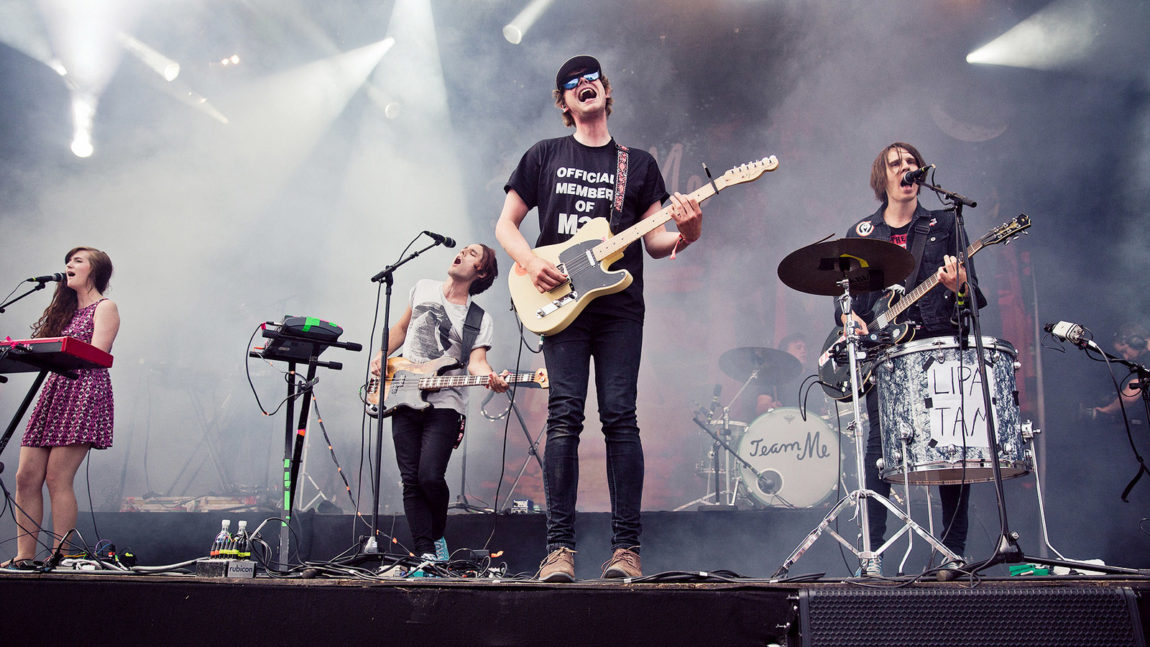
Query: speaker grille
x=990 y=616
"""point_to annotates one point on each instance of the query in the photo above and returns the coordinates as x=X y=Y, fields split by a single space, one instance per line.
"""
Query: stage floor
x=694 y=610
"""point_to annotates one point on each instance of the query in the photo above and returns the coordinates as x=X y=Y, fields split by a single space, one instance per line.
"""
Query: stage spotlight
x=160 y=64
x=382 y=100
x=83 y=112
x=1061 y=33
x=520 y=24
x=513 y=33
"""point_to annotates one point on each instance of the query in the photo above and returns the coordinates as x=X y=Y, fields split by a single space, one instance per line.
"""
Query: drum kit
x=932 y=417
x=781 y=459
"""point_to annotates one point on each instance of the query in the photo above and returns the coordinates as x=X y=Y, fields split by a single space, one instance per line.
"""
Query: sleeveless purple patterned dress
x=71 y=412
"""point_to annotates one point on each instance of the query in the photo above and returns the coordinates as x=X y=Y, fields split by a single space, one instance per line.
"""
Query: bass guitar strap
x=470 y=333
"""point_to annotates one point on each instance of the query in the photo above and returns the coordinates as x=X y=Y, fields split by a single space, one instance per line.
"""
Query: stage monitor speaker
x=989 y=615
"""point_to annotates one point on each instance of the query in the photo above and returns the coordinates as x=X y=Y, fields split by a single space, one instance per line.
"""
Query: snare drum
x=797 y=460
x=933 y=418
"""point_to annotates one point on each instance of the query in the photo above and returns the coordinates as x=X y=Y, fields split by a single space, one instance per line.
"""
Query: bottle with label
x=221 y=541
x=242 y=541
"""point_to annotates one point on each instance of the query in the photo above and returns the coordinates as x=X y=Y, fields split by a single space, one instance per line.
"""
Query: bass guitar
x=404 y=383
x=835 y=376
x=585 y=257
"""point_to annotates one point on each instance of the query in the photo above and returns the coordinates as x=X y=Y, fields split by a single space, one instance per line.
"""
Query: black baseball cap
x=573 y=66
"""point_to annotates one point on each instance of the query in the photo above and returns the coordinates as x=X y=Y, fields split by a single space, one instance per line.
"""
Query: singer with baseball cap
x=571 y=180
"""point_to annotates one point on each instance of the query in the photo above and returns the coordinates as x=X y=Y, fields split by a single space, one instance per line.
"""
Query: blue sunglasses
x=573 y=82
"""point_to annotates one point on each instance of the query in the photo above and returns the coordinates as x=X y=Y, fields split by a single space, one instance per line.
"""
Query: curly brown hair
x=561 y=104
x=59 y=312
x=878 y=168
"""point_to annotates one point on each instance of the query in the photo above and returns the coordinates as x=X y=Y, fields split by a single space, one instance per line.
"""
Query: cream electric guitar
x=585 y=257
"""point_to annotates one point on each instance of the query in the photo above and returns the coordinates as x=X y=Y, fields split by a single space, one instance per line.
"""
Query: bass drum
x=932 y=415
x=797 y=460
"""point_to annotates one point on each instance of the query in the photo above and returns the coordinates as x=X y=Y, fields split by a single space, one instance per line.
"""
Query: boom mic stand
x=1007 y=549
x=40 y=285
x=385 y=276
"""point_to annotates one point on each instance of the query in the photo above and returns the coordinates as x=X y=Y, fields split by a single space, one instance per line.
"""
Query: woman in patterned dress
x=71 y=416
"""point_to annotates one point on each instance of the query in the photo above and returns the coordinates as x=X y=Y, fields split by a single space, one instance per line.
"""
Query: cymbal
x=867 y=264
x=772 y=365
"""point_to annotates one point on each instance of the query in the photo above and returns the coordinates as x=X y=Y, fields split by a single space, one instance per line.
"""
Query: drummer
x=784 y=393
x=929 y=235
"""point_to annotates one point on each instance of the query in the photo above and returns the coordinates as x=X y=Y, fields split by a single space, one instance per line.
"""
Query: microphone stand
x=385 y=276
x=1143 y=382
x=1007 y=550
x=40 y=285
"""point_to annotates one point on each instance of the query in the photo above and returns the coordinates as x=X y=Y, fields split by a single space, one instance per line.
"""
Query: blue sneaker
x=441 y=552
x=427 y=560
x=870 y=567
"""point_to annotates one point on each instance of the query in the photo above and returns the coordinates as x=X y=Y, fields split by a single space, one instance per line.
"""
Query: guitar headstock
x=1007 y=231
x=540 y=379
x=749 y=171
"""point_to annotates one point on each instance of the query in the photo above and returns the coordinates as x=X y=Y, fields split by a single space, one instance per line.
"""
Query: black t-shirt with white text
x=571 y=183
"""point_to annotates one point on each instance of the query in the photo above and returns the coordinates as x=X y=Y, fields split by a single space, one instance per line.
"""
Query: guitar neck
x=453 y=381
x=914 y=295
x=620 y=241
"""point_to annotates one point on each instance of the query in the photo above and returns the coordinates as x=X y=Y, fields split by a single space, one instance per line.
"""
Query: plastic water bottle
x=221 y=541
x=242 y=541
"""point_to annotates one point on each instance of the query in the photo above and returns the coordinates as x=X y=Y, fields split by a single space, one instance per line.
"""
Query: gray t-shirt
x=435 y=330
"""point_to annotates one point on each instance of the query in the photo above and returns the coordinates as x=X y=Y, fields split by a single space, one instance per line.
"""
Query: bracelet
x=680 y=241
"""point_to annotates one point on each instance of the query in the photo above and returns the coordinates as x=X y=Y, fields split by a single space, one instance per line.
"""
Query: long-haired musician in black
x=71 y=416
x=901 y=220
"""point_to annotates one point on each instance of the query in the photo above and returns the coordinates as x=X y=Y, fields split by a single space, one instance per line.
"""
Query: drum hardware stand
x=700 y=420
x=858 y=497
x=721 y=500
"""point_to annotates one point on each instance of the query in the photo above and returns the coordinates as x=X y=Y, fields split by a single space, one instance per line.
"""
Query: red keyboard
x=56 y=354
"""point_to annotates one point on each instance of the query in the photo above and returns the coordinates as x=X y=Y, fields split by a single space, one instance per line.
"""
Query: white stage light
x=83 y=112
x=1060 y=34
x=520 y=24
x=160 y=64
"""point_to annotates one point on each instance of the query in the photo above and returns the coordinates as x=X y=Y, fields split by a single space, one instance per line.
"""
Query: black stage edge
x=66 y=608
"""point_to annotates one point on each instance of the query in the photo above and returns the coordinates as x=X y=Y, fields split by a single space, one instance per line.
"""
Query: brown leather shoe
x=559 y=566
x=624 y=563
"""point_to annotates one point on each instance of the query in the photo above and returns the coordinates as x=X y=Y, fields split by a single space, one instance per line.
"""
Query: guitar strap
x=921 y=229
x=470 y=333
x=621 y=167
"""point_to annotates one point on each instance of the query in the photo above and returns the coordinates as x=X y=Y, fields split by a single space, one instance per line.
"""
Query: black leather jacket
x=934 y=311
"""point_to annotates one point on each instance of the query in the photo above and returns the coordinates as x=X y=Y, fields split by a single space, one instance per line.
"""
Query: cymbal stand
x=858 y=497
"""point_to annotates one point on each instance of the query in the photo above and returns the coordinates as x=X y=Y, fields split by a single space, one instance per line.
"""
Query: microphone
x=58 y=276
x=715 y=399
x=1070 y=332
x=441 y=239
x=916 y=177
